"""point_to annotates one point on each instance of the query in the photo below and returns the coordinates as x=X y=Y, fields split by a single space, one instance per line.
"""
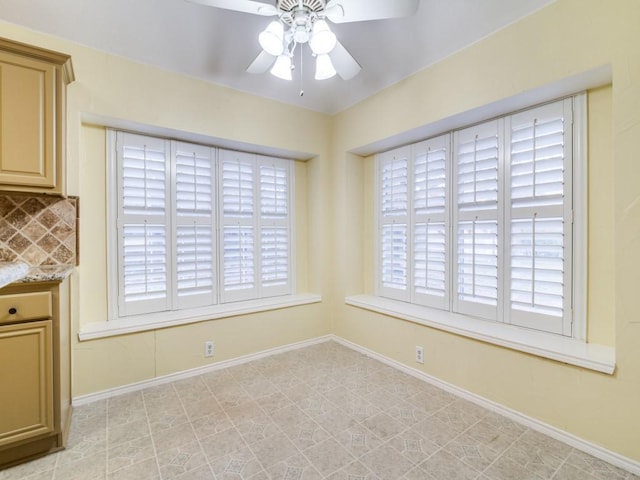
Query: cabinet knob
x=13 y=311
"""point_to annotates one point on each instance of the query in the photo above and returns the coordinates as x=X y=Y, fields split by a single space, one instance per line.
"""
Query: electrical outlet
x=208 y=349
x=419 y=354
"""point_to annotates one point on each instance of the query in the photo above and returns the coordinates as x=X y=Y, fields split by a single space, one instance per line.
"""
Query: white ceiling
x=217 y=45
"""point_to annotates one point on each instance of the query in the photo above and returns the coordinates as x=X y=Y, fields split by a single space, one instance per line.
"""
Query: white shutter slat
x=275 y=227
x=537 y=266
x=238 y=258
x=143 y=215
x=539 y=227
x=194 y=219
x=430 y=223
x=393 y=234
x=430 y=259
x=394 y=256
x=239 y=240
x=144 y=262
x=477 y=158
x=195 y=260
x=275 y=256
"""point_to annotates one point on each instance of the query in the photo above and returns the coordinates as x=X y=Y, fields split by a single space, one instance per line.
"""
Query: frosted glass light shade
x=282 y=68
x=322 y=40
x=324 y=67
x=271 y=39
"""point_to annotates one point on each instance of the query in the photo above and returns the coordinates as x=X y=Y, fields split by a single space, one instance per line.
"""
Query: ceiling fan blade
x=343 y=11
x=345 y=65
x=245 y=6
x=262 y=63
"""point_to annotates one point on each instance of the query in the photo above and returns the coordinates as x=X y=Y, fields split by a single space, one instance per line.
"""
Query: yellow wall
x=334 y=214
x=565 y=39
x=112 y=88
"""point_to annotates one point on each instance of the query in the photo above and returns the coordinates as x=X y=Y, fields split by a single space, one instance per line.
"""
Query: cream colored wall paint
x=601 y=301
x=114 y=88
x=564 y=39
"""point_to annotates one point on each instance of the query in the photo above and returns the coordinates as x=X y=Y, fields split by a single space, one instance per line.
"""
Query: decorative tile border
x=38 y=230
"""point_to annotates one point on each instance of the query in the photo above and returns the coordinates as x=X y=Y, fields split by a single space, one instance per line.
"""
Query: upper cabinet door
x=27 y=122
x=32 y=117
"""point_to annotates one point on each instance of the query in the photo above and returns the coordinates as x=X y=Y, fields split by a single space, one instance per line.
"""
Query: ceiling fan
x=305 y=21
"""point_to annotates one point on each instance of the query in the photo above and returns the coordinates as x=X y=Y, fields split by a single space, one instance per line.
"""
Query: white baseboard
x=565 y=437
x=172 y=377
x=554 y=432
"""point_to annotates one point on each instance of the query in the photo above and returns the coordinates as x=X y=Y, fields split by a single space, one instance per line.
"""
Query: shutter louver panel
x=275 y=227
x=539 y=226
x=275 y=256
x=239 y=235
x=477 y=176
x=394 y=256
x=238 y=258
x=537 y=266
x=430 y=222
x=194 y=252
x=477 y=227
x=430 y=181
x=430 y=259
x=478 y=262
x=238 y=188
x=143 y=180
x=194 y=218
x=394 y=234
x=194 y=188
x=143 y=214
x=274 y=192
x=394 y=187
x=537 y=163
x=144 y=266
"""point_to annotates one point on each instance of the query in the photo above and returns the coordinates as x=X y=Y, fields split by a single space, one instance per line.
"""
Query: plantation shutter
x=394 y=227
x=275 y=226
x=477 y=178
x=239 y=255
x=194 y=224
x=539 y=226
x=430 y=222
x=144 y=268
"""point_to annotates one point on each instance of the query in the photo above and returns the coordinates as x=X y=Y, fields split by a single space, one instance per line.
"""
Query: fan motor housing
x=288 y=6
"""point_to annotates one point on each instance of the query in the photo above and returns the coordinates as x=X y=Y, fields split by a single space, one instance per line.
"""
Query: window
x=479 y=221
x=197 y=226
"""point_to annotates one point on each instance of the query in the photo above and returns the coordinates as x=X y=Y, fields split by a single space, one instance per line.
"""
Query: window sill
x=600 y=358
x=141 y=323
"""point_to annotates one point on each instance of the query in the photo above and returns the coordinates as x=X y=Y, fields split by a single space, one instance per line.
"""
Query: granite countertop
x=46 y=273
x=12 y=271
x=20 y=272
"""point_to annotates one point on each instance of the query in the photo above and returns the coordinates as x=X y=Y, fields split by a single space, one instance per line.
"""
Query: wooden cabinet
x=35 y=387
x=32 y=118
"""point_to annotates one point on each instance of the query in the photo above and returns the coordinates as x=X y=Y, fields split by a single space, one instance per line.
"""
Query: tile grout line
x=191 y=423
x=153 y=441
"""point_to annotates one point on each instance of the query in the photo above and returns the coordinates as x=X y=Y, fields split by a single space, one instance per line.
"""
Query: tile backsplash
x=38 y=230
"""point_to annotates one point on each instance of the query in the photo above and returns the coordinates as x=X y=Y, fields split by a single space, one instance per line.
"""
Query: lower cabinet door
x=26 y=381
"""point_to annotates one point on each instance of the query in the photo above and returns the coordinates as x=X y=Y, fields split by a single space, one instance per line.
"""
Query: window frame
x=285 y=295
x=577 y=263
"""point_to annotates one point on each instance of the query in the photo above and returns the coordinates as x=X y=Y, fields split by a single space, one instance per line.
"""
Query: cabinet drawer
x=25 y=306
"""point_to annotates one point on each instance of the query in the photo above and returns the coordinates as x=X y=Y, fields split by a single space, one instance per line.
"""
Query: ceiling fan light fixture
x=322 y=40
x=282 y=68
x=324 y=67
x=271 y=39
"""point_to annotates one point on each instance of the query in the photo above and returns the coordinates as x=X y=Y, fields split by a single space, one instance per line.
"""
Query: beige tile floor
x=322 y=412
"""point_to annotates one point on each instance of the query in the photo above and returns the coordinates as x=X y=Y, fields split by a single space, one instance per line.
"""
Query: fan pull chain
x=301 y=74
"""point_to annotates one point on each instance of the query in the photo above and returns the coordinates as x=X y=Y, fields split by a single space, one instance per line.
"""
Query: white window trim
x=119 y=325
x=600 y=358
x=569 y=349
